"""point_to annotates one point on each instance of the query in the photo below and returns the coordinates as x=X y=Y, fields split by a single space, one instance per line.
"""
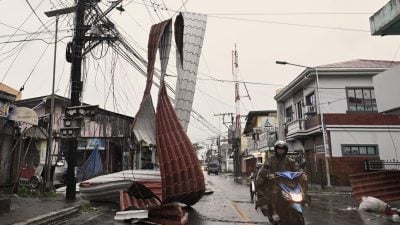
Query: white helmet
x=281 y=144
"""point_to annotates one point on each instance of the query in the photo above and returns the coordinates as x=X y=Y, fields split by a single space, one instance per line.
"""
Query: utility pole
x=223 y=118
x=237 y=132
x=76 y=88
x=73 y=117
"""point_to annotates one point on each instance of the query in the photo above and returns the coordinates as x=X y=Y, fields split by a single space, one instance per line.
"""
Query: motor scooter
x=290 y=198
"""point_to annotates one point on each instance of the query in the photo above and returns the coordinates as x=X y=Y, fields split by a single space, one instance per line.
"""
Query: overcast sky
x=309 y=32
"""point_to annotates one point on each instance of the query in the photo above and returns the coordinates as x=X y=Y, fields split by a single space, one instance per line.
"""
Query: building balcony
x=295 y=126
x=302 y=127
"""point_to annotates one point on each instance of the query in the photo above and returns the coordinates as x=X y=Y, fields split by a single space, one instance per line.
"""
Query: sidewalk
x=38 y=211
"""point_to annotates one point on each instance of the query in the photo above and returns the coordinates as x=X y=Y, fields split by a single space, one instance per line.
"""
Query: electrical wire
x=289 y=14
x=34 y=12
x=20 y=45
x=26 y=19
x=148 y=10
x=35 y=39
x=30 y=74
x=232 y=81
x=216 y=15
x=290 y=24
x=182 y=6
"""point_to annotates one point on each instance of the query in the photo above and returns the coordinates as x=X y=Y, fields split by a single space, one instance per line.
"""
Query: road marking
x=242 y=215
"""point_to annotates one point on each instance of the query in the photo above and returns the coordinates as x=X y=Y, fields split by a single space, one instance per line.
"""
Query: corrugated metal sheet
x=189 y=35
x=181 y=176
x=144 y=124
x=128 y=202
x=107 y=187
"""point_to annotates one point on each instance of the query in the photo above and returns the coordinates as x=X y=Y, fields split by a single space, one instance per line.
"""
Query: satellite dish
x=25 y=115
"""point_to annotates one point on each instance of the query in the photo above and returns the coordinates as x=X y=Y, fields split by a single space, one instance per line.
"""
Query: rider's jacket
x=274 y=164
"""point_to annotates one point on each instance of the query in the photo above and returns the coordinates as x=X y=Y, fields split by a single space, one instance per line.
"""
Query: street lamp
x=324 y=136
x=57 y=14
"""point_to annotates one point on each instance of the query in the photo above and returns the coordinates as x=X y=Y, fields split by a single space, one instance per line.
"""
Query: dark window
x=361 y=100
x=299 y=109
x=289 y=114
x=359 y=150
x=310 y=99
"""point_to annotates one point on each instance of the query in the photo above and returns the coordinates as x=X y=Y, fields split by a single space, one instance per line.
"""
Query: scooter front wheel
x=292 y=218
x=296 y=218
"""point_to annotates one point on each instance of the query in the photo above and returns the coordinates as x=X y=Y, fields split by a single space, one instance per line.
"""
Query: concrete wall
x=387 y=141
x=334 y=100
x=387 y=89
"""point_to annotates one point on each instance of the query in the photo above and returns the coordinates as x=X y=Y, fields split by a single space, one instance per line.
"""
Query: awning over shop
x=36 y=132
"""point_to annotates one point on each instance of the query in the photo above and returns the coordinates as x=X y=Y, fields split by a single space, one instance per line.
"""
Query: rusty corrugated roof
x=181 y=176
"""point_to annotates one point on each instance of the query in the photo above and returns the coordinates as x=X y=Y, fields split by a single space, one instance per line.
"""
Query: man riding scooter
x=265 y=187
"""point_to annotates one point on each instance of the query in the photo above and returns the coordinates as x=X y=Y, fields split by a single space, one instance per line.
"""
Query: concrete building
x=260 y=133
x=355 y=131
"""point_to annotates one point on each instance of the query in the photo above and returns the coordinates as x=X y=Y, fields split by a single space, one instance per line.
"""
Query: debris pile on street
x=372 y=204
x=107 y=187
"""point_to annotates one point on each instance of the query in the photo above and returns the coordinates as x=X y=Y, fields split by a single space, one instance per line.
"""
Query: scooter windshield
x=288 y=174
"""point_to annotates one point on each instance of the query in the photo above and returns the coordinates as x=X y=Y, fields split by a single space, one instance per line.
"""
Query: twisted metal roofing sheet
x=189 y=35
x=144 y=123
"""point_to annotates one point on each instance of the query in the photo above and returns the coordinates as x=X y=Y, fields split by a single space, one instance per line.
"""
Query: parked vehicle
x=212 y=168
x=58 y=173
x=290 y=199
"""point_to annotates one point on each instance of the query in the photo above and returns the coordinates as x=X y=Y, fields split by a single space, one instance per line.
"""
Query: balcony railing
x=300 y=125
x=295 y=126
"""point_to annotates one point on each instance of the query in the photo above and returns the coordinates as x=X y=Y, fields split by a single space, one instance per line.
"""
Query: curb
x=50 y=217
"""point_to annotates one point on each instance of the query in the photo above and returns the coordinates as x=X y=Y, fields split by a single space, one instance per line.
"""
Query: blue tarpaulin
x=92 y=166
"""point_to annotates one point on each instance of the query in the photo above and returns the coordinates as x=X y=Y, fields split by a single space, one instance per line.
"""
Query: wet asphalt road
x=230 y=204
x=327 y=208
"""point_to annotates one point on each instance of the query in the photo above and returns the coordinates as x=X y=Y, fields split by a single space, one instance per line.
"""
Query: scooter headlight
x=297 y=197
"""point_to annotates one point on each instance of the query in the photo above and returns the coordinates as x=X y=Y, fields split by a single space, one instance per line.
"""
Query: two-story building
x=354 y=130
x=260 y=132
